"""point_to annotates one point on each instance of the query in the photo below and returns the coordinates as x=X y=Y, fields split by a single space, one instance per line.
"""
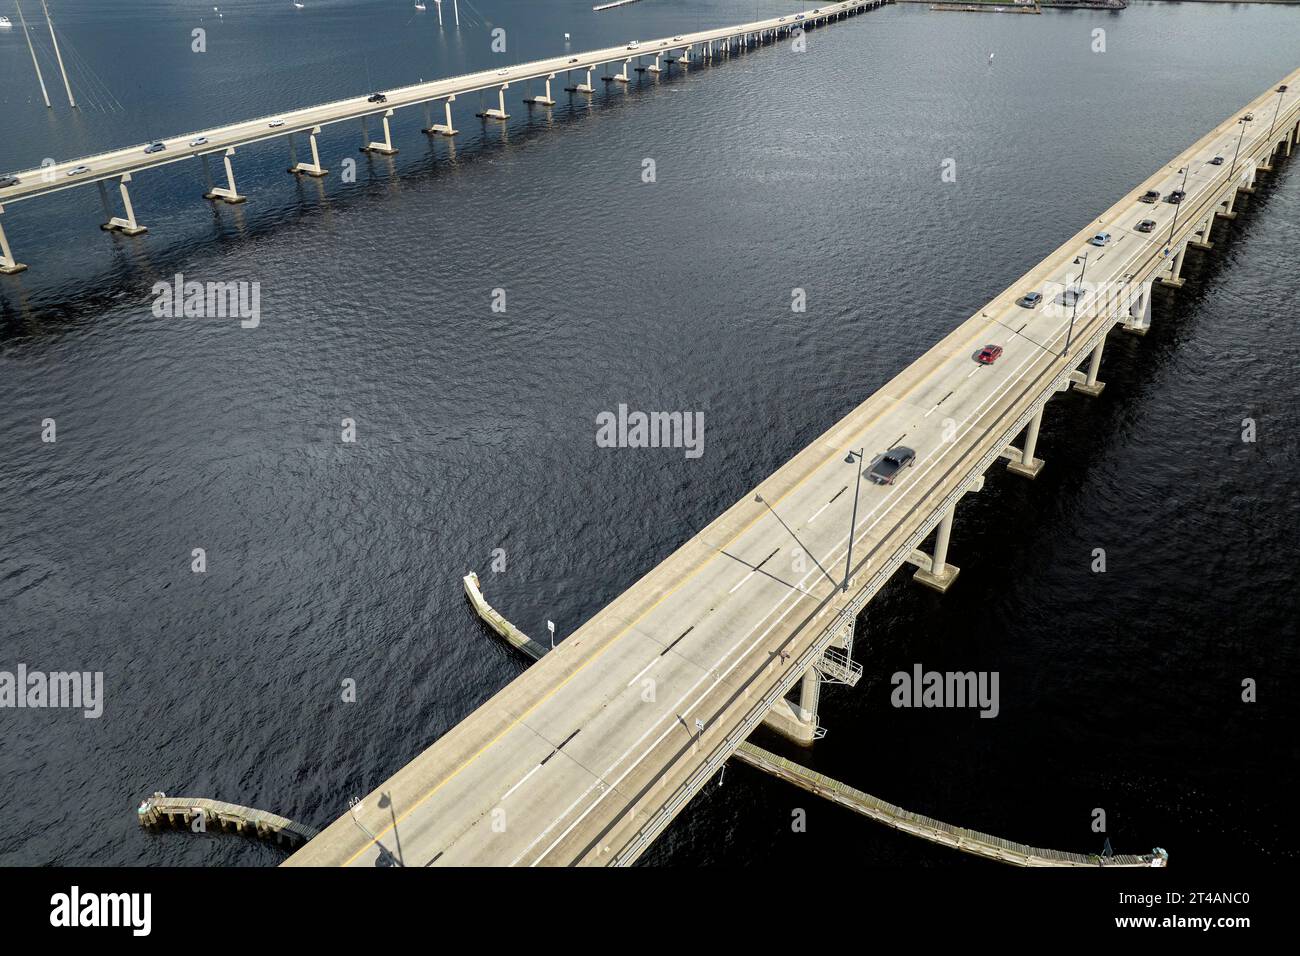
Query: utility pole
x=23 y=20
x=1077 y=294
x=58 y=56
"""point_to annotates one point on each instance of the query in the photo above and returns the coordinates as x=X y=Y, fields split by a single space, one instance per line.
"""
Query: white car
x=676 y=39
x=1100 y=239
x=635 y=44
x=78 y=170
x=200 y=141
x=275 y=124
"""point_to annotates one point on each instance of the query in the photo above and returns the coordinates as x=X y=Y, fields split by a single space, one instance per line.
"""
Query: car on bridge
x=1100 y=239
x=1030 y=300
x=275 y=123
x=1217 y=161
x=1151 y=195
x=7 y=181
x=885 y=469
x=989 y=354
x=155 y=147
x=634 y=45
x=573 y=59
x=199 y=141
x=78 y=170
x=1176 y=197
x=1146 y=225
x=1249 y=117
x=376 y=98
x=1070 y=296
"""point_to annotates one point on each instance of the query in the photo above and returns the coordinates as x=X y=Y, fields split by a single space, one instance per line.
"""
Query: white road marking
x=740 y=582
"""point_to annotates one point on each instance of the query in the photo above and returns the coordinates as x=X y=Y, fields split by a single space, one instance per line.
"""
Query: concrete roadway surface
x=570 y=760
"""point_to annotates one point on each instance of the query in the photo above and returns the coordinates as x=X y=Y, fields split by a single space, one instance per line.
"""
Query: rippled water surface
x=775 y=170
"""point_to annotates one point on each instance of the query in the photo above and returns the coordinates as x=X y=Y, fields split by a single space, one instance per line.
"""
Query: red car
x=988 y=355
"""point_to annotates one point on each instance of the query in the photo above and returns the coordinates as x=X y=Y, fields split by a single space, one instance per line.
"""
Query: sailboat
x=5 y=23
x=298 y=5
x=419 y=4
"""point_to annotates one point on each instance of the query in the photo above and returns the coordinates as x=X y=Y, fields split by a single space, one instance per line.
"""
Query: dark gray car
x=885 y=469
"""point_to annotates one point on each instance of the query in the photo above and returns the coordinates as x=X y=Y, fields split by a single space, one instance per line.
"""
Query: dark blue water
x=775 y=170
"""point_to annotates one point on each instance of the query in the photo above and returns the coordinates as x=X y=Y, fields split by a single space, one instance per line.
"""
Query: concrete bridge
x=589 y=754
x=121 y=165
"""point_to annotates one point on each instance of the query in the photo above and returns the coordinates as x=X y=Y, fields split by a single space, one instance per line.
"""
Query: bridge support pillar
x=1174 y=280
x=685 y=58
x=8 y=266
x=1139 y=311
x=444 y=129
x=653 y=67
x=546 y=99
x=385 y=148
x=798 y=723
x=1204 y=243
x=126 y=225
x=497 y=112
x=314 y=168
x=1090 y=386
x=227 y=193
x=941 y=574
x=1028 y=466
x=623 y=77
x=1227 y=211
x=1249 y=188
x=582 y=87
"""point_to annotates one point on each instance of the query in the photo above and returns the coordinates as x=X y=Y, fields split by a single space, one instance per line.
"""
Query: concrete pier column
x=126 y=225
x=445 y=129
x=8 y=266
x=686 y=56
x=941 y=574
x=313 y=168
x=1204 y=243
x=386 y=147
x=1090 y=386
x=809 y=694
x=1028 y=466
x=1139 y=312
x=654 y=67
x=228 y=193
x=583 y=87
x=1174 y=279
x=497 y=112
x=1227 y=211
x=544 y=100
x=622 y=77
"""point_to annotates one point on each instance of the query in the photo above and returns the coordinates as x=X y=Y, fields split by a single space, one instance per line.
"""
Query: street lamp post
x=1280 y=91
x=1242 y=123
x=1077 y=294
x=1177 y=206
x=851 y=458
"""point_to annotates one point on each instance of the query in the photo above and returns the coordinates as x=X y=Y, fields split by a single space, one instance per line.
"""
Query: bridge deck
x=586 y=756
x=133 y=159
